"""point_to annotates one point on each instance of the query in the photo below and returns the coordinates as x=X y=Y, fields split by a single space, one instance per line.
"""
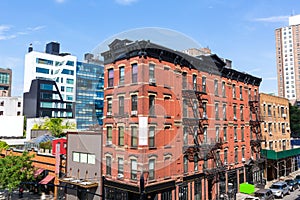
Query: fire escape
x=255 y=127
x=201 y=149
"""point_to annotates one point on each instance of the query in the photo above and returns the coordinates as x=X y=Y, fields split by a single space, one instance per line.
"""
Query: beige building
x=288 y=59
x=276 y=145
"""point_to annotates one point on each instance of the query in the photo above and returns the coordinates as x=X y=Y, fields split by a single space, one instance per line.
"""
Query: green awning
x=273 y=155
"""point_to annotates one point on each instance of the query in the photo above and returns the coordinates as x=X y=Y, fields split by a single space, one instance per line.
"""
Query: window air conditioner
x=152 y=81
x=134 y=112
x=120 y=176
x=108 y=113
x=243 y=160
x=284 y=115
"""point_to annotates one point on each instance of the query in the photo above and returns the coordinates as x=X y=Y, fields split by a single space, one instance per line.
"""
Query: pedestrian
x=21 y=189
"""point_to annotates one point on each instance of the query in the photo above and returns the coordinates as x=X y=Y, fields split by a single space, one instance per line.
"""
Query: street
x=293 y=195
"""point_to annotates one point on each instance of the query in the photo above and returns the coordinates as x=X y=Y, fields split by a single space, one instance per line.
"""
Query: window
x=152 y=105
x=110 y=77
x=198 y=190
x=185 y=136
x=184 y=81
x=204 y=110
x=241 y=92
x=42 y=70
x=121 y=136
x=18 y=113
x=243 y=152
x=167 y=195
x=151 y=169
x=70 y=63
x=121 y=105
x=225 y=133
x=45 y=86
x=224 y=112
x=234 y=112
x=109 y=106
x=269 y=110
x=19 y=104
x=70 y=81
x=236 y=158
x=75 y=156
x=235 y=133
x=249 y=94
x=195 y=162
x=121 y=75
x=204 y=84
x=4 y=78
x=217 y=111
x=68 y=72
x=134 y=73
x=185 y=164
x=151 y=70
x=225 y=156
x=83 y=157
x=242 y=113
x=271 y=145
x=91 y=158
x=108 y=165
x=283 y=128
x=69 y=98
x=216 y=87
x=185 y=108
x=120 y=166
x=109 y=135
x=151 y=136
x=217 y=133
x=62 y=88
x=223 y=89
x=69 y=89
x=195 y=82
x=134 y=136
x=133 y=170
x=205 y=134
x=242 y=134
x=233 y=91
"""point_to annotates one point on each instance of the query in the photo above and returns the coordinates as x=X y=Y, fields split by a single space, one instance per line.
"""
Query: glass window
x=233 y=91
x=83 y=157
x=68 y=72
x=236 y=158
x=235 y=133
x=185 y=164
x=121 y=75
x=195 y=162
x=217 y=111
x=91 y=158
x=69 y=89
x=225 y=133
x=204 y=110
x=108 y=165
x=195 y=82
x=198 y=190
x=133 y=170
x=242 y=133
x=241 y=92
x=216 y=87
x=242 y=113
x=204 y=84
x=184 y=80
x=44 y=61
x=42 y=70
x=134 y=102
x=152 y=105
x=69 y=98
x=134 y=136
x=151 y=71
x=110 y=77
x=70 y=81
x=120 y=166
x=225 y=156
x=185 y=136
x=151 y=136
x=70 y=63
x=234 y=112
x=224 y=112
x=185 y=108
x=134 y=73
x=151 y=169
x=217 y=133
x=75 y=156
x=223 y=89
x=4 y=78
x=205 y=134
x=121 y=105
x=109 y=135
x=121 y=136
x=109 y=105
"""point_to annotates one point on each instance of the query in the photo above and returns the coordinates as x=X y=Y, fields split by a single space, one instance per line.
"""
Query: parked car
x=280 y=188
x=297 y=178
x=265 y=194
x=293 y=184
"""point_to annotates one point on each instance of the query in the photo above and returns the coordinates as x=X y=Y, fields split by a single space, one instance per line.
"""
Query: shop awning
x=47 y=179
x=38 y=172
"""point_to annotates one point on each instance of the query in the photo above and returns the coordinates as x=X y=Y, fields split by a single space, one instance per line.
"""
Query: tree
x=3 y=145
x=14 y=170
x=56 y=126
x=294 y=121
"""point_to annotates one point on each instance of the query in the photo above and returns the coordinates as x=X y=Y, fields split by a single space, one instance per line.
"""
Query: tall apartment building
x=5 y=82
x=288 y=59
x=276 y=145
x=177 y=126
x=73 y=90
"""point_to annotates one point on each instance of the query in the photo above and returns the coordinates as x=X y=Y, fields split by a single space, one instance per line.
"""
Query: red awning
x=47 y=179
x=38 y=172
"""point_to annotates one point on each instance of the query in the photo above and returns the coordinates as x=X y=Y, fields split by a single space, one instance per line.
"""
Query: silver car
x=279 y=189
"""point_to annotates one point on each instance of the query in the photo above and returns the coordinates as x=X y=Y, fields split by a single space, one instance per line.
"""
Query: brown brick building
x=177 y=126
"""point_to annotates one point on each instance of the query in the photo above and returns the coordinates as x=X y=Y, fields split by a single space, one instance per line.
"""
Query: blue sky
x=240 y=30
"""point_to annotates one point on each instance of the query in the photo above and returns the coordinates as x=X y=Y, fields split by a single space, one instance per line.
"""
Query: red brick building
x=176 y=126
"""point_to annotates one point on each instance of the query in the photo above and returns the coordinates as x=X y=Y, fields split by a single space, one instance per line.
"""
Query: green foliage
x=3 y=145
x=295 y=121
x=24 y=126
x=14 y=170
x=55 y=126
x=46 y=145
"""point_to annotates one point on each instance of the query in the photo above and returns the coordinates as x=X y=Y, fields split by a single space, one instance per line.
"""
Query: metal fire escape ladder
x=255 y=126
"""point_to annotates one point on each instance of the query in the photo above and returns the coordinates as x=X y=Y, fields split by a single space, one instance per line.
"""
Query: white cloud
x=273 y=19
x=6 y=32
x=270 y=78
x=126 y=2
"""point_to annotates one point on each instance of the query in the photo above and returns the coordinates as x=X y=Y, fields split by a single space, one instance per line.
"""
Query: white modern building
x=11 y=120
x=60 y=67
x=288 y=59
